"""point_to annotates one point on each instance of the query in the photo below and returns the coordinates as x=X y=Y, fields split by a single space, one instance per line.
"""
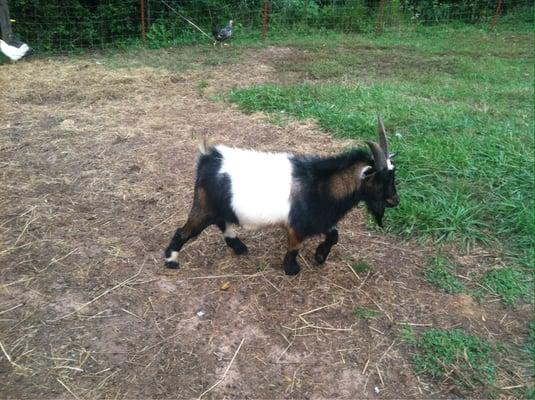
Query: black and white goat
x=305 y=195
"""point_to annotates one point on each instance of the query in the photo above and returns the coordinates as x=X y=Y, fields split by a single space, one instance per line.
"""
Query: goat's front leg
x=291 y=267
x=324 y=248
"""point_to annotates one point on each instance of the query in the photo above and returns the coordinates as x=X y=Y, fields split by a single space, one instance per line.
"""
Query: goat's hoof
x=292 y=269
x=237 y=246
x=320 y=258
x=240 y=249
x=321 y=253
x=171 y=264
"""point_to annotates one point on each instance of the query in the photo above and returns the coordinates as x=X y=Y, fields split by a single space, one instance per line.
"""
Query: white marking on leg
x=174 y=256
x=229 y=232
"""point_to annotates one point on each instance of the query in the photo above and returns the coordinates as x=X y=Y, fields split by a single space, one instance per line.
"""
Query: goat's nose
x=393 y=201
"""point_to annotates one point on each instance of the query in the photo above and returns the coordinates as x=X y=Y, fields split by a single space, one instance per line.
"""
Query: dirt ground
x=97 y=169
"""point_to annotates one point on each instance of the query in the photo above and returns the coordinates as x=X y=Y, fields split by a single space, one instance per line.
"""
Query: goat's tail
x=204 y=145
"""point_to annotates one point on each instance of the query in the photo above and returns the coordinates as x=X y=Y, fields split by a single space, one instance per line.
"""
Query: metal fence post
x=264 y=19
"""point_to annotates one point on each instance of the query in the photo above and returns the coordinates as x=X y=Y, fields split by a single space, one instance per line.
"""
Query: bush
x=71 y=24
x=471 y=11
x=54 y=25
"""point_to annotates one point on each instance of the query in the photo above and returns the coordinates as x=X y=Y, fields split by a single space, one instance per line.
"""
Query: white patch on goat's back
x=260 y=185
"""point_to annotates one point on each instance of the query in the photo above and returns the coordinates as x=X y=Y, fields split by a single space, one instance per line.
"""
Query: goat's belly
x=257 y=206
x=253 y=217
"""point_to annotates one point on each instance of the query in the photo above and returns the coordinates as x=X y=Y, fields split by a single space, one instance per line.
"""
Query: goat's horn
x=378 y=156
x=382 y=135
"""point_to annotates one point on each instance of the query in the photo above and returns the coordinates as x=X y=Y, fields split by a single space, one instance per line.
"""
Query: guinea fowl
x=15 y=52
x=222 y=34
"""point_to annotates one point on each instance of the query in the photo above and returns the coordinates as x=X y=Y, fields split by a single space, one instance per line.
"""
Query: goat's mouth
x=392 y=201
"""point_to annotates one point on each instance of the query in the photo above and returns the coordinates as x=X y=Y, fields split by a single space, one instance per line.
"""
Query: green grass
x=508 y=283
x=454 y=355
x=458 y=105
x=366 y=313
x=406 y=334
x=361 y=266
x=439 y=274
x=261 y=266
x=201 y=86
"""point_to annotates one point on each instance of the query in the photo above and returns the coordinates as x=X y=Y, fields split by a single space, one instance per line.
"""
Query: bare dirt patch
x=97 y=172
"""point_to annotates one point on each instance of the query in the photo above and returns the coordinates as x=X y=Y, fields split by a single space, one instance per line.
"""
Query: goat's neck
x=346 y=183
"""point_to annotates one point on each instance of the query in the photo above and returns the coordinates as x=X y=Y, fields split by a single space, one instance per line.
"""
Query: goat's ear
x=392 y=155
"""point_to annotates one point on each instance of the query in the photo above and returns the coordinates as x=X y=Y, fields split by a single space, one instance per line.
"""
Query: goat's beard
x=377 y=210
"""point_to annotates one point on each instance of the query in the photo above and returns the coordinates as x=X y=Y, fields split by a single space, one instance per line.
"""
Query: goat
x=307 y=195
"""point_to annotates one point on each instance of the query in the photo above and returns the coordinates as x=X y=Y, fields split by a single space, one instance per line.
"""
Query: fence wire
x=62 y=26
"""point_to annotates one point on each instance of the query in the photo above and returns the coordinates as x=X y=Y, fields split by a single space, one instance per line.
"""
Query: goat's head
x=379 y=181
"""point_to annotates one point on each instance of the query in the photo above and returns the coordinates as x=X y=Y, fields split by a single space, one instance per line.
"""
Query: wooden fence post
x=496 y=15
x=380 y=15
x=5 y=23
x=142 y=10
x=265 y=19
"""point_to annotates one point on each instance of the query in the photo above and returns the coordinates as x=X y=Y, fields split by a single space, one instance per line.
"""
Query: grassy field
x=458 y=105
x=457 y=102
x=100 y=173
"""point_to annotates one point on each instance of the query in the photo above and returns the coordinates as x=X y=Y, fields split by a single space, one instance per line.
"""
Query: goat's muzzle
x=392 y=201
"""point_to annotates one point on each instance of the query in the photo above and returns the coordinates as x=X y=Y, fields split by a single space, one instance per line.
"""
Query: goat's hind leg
x=200 y=217
x=324 y=248
x=231 y=239
x=191 y=229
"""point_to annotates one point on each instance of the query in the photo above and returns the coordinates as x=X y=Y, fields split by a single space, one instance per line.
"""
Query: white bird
x=14 y=53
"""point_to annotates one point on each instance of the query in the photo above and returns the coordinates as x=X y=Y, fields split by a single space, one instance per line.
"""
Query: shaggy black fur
x=313 y=209
x=383 y=185
x=324 y=248
x=290 y=263
x=213 y=208
x=208 y=176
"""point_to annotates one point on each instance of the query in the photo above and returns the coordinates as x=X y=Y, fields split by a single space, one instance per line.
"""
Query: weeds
x=366 y=313
x=361 y=266
x=508 y=283
x=201 y=86
x=407 y=335
x=454 y=355
x=439 y=274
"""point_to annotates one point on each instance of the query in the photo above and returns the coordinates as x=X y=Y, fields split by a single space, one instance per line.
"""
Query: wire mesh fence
x=61 y=26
